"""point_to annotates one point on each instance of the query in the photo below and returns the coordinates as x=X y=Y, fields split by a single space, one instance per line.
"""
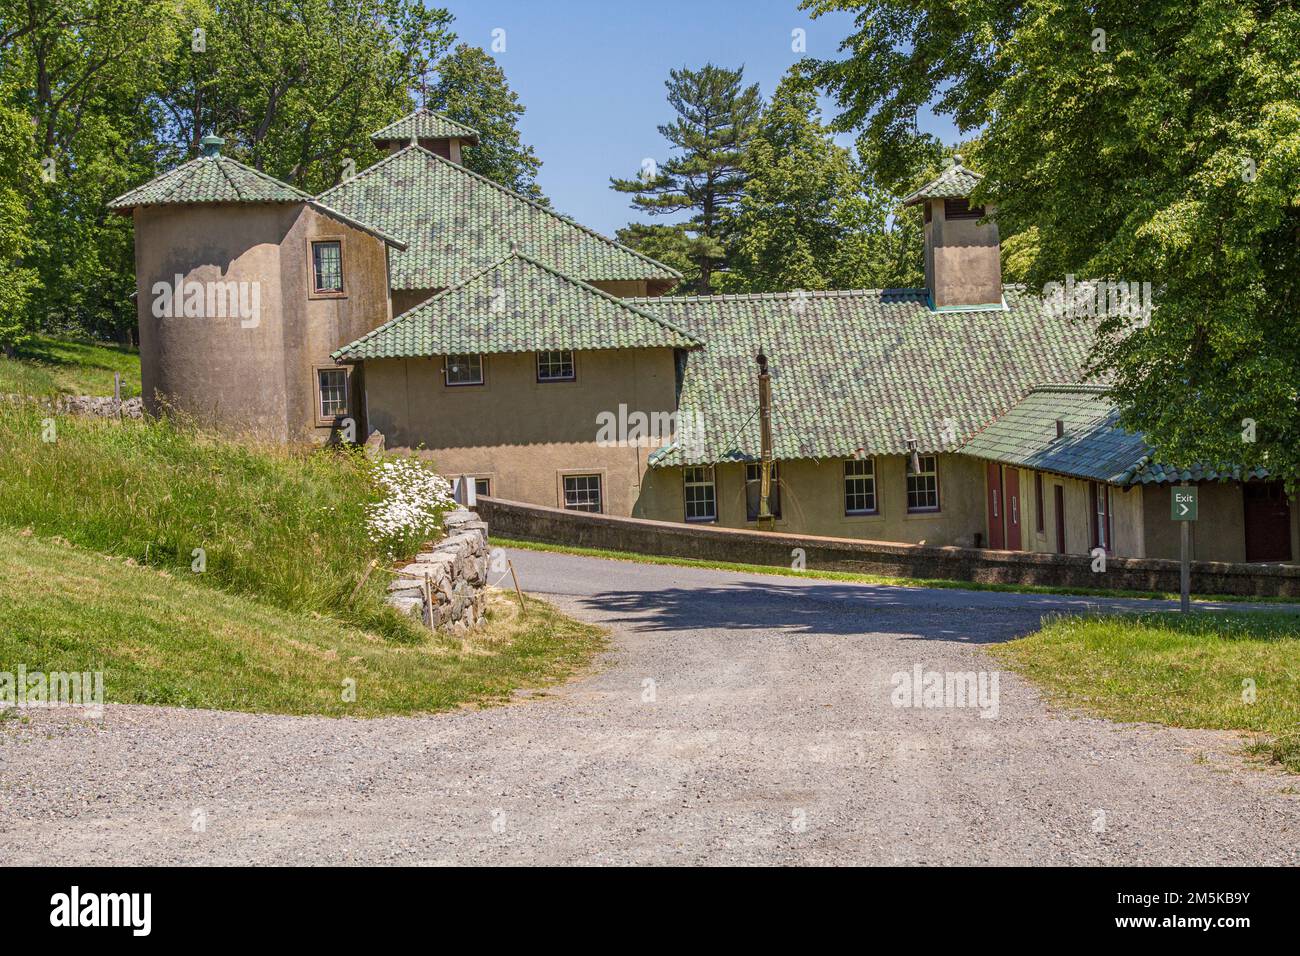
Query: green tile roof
x=516 y=305
x=219 y=179
x=860 y=371
x=955 y=181
x=423 y=124
x=1093 y=445
x=458 y=222
x=209 y=179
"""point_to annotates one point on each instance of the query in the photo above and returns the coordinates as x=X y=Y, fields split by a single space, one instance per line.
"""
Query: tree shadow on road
x=829 y=609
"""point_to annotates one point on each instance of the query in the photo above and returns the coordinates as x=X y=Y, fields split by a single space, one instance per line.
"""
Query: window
x=1100 y=537
x=483 y=486
x=582 y=492
x=555 y=366
x=464 y=369
x=860 y=486
x=1038 y=501
x=961 y=209
x=327 y=266
x=923 y=485
x=754 y=488
x=332 y=386
x=701 y=495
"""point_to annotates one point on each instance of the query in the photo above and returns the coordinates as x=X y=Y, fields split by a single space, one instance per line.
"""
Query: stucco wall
x=1127 y=516
x=963 y=259
x=253 y=375
x=214 y=369
x=325 y=323
x=623 y=288
x=1218 y=534
x=406 y=299
x=812 y=500
x=517 y=432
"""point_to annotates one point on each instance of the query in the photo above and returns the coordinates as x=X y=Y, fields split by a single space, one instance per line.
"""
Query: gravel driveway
x=737 y=719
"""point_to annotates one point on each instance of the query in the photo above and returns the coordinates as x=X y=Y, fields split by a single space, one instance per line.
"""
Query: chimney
x=963 y=260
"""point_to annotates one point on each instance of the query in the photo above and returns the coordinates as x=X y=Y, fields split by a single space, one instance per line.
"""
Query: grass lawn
x=281 y=525
x=1180 y=670
x=161 y=638
x=867 y=578
x=50 y=366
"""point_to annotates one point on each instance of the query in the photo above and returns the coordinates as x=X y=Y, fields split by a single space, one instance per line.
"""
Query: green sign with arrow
x=1182 y=504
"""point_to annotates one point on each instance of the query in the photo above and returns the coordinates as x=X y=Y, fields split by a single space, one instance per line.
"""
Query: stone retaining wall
x=94 y=405
x=446 y=586
x=512 y=519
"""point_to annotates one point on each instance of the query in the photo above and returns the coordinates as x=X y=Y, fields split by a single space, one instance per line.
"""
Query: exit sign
x=1182 y=504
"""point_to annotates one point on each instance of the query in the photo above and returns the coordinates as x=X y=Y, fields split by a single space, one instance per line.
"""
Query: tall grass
x=48 y=366
x=284 y=525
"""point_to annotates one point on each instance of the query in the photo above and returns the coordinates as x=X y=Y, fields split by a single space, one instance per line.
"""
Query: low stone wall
x=512 y=519
x=94 y=405
x=446 y=586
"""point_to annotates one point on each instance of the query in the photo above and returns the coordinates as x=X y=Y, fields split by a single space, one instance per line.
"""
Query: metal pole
x=765 y=519
x=1185 y=572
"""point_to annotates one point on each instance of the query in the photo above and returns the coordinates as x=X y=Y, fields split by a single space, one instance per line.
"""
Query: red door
x=997 y=539
x=1013 y=509
x=1268 y=521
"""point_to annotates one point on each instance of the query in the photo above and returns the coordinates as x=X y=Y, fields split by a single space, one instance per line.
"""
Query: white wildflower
x=412 y=507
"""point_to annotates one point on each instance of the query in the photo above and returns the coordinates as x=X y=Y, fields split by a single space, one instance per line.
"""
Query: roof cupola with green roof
x=963 y=261
x=437 y=133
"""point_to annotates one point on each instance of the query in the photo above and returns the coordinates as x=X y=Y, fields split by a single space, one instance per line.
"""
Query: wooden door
x=1268 y=521
x=1013 y=509
x=1060 y=519
x=997 y=537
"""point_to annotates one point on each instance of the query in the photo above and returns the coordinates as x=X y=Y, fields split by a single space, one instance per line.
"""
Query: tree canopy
x=1150 y=141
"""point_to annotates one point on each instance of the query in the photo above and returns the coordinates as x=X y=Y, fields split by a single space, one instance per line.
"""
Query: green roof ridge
x=457 y=129
x=415 y=148
x=410 y=315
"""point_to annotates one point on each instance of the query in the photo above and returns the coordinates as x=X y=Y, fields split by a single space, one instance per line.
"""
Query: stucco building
x=524 y=351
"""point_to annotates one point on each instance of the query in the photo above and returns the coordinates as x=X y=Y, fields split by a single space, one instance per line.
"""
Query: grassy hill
x=101 y=532
x=162 y=638
x=62 y=366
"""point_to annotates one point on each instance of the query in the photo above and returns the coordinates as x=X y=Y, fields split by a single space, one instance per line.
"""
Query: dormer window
x=961 y=209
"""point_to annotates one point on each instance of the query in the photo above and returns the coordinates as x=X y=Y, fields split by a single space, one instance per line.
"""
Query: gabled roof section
x=458 y=223
x=1093 y=446
x=209 y=179
x=955 y=181
x=518 y=304
x=859 y=372
x=423 y=124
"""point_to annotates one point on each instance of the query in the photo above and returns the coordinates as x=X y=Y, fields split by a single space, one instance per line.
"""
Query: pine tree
x=716 y=116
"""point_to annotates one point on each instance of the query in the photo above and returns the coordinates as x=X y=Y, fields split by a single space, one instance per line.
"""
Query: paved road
x=737 y=719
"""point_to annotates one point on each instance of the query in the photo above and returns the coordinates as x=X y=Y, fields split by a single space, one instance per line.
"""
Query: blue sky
x=591 y=76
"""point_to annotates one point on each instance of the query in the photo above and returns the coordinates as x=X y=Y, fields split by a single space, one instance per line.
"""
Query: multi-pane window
x=582 y=492
x=555 y=366
x=701 y=494
x=860 y=486
x=327 y=266
x=464 y=370
x=483 y=487
x=923 y=485
x=332 y=385
x=754 y=490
